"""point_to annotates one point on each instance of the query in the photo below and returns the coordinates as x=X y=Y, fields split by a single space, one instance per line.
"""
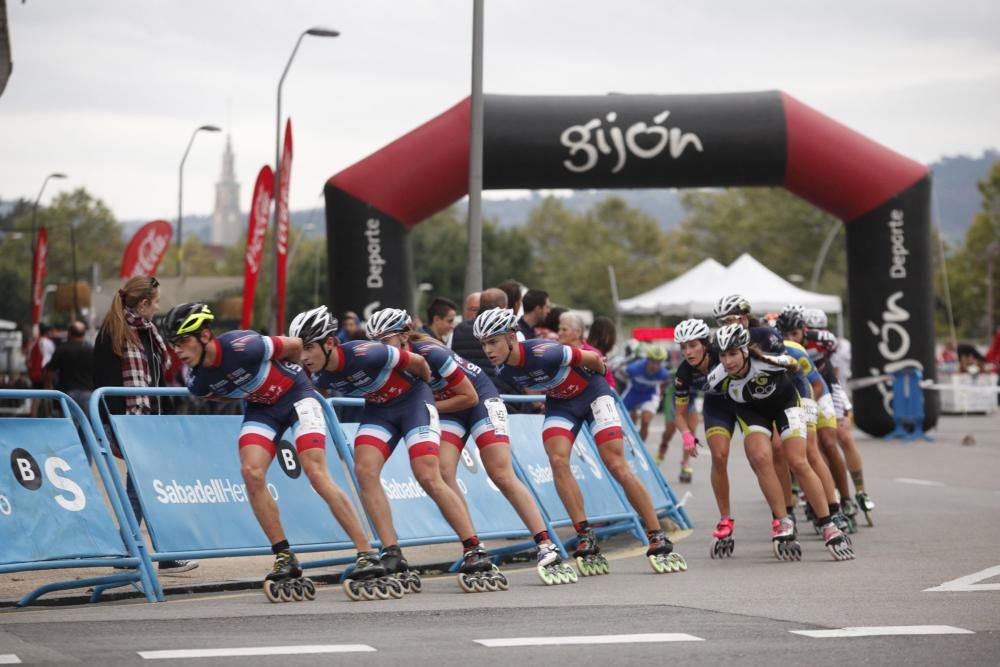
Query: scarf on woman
x=135 y=365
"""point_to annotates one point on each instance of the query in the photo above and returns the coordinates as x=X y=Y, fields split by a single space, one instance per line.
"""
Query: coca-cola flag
x=38 y=274
x=281 y=220
x=260 y=210
x=146 y=249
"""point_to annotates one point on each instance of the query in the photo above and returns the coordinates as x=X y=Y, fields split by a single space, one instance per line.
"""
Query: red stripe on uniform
x=310 y=441
x=556 y=432
x=491 y=438
x=452 y=439
x=608 y=434
x=372 y=441
x=278 y=346
x=425 y=448
x=455 y=378
x=248 y=439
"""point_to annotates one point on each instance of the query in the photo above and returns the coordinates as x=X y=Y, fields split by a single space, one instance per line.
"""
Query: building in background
x=227 y=223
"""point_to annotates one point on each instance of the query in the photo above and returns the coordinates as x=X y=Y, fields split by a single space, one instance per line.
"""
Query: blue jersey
x=643 y=385
x=448 y=369
x=369 y=370
x=549 y=367
x=807 y=371
x=248 y=366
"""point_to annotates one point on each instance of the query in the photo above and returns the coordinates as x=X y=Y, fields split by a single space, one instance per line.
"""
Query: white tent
x=697 y=291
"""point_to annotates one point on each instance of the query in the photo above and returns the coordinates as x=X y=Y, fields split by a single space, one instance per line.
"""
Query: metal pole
x=180 y=198
x=474 y=261
x=821 y=257
x=34 y=217
x=72 y=243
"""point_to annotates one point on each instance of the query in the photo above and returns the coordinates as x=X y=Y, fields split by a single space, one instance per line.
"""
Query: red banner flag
x=38 y=274
x=260 y=211
x=146 y=249
x=281 y=219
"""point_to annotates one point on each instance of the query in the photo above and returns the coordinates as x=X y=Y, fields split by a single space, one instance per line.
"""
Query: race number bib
x=605 y=413
x=497 y=413
x=310 y=415
x=826 y=407
x=434 y=423
x=796 y=422
x=809 y=408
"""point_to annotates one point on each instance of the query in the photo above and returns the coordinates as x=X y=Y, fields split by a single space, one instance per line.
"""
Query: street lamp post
x=34 y=217
x=314 y=32
x=180 y=197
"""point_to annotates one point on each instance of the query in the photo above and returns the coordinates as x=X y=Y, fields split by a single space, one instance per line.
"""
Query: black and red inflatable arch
x=659 y=141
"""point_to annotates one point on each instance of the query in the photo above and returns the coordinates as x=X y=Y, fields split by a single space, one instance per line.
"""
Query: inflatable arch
x=660 y=141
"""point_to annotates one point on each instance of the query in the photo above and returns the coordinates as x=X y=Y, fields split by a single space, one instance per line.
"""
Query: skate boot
x=783 y=540
x=550 y=567
x=722 y=539
x=843 y=524
x=837 y=543
x=850 y=510
x=685 y=476
x=396 y=566
x=368 y=580
x=285 y=582
x=589 y=559
x=662 y=556
x=478 y=574
x=812 y=518
x=866 y=505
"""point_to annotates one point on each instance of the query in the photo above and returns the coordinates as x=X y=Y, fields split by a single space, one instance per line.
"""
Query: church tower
x=227 y=223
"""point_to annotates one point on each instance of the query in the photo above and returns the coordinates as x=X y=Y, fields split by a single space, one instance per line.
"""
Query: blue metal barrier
x=52 y=520
x=193 y=498
x=908 y=405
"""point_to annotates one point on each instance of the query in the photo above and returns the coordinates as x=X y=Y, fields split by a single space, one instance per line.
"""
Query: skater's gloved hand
x=690 y=443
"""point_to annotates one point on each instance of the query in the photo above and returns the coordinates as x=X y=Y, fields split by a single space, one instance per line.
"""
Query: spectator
x=970 y=360
x=471 y=307
x=349 y=327
x=512 y=289
x=468 y=347
x=550 y=325
x=129 y=352
x=440 y=319
x=71 y=367
x=602 y=335
x=570 y=333
x=39 y=354
x=536 y=308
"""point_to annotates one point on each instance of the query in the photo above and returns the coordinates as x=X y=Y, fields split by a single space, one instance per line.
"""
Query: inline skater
x=469 y=404
x=276 y=395
x=399 y=406
x=646 y=377
x=765 y=398
x=576 y=393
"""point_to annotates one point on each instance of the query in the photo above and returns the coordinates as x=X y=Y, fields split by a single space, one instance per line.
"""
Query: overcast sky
x=109 y=91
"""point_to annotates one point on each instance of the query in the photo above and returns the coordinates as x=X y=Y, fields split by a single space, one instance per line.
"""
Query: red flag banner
x=146 y=249
x=260 y=211
x=38 y=274
x=281 y=218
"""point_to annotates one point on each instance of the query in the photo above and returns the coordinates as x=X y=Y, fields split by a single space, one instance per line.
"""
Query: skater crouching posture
x=398 y=405
x=576 y=393
x=469 y=404
x=243 y=365
x=765 y=397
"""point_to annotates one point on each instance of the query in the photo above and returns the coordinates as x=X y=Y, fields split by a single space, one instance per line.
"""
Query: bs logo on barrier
x=30 y=475
x=288 y=459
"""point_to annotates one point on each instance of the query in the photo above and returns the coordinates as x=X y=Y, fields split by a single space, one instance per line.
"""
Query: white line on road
x=883 y=631
x=590 y=639
x=968 y=583
x=918 y=482
x=254 y=650
x=9 y=659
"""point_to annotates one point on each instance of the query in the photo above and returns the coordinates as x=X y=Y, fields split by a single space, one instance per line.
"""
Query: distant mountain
x=956 y=201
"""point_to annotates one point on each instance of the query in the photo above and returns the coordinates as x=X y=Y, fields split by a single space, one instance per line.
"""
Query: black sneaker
x=176 y=566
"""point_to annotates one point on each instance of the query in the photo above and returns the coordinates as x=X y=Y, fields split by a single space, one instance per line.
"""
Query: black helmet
x=789 y=320
x=186 y=319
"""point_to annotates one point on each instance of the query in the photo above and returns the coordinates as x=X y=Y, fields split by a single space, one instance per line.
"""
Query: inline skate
x=843 y=524
x=686 y=475
x=478 y=574
x=812 y=518
x=850 y=510
x=722 y=539
x=662 y=556
x=866 y=505
x=368 y=580
x=396 y=566
x=837 y=543
x=285 y=582
x=783 y=541
x=550 y=567
x=589 y=559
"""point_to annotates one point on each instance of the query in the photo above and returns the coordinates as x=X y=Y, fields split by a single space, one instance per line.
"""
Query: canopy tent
x=697 y=291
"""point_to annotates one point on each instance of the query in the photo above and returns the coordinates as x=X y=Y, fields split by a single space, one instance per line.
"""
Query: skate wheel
x=491 y=584
x=547 y=576
x=658 y=565
x=730 y=548
x=308 y=589
x=381 y=591
x=605 y=565
x=285 y=592
x=677 y=562
x=583 y=566
x=271 y=590
x=571 y=575
x=502 y=583
x=715 y=551
x=367 y=592
x=415 y=584
x=296 y=591
x=466 y=584
x=395 y=588
x=352 y=589
x=868 y=520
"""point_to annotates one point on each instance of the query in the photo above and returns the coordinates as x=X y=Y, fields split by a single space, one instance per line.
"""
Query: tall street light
x=314 y=32
x=34 y=217
x=180 y=197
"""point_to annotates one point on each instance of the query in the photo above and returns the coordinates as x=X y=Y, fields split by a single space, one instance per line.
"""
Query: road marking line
x=590 y=639
x=968 y=583
x=9 y=659
x=254 y=650
x=918 y=482
x=883 y=631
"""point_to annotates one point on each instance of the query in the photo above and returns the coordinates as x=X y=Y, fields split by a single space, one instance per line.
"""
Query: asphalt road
x=936 y=522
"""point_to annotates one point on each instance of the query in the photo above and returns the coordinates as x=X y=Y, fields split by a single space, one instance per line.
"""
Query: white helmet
x=734 y=304
x=313 y=326
x=494 y=322
x=386 y=322
x=815 y=318
x=732 y=337
x=794 y=308
x=691 y=330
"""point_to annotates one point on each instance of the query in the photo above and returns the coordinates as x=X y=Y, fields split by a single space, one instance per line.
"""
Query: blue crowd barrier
x=908 y=405
x=52 y=513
